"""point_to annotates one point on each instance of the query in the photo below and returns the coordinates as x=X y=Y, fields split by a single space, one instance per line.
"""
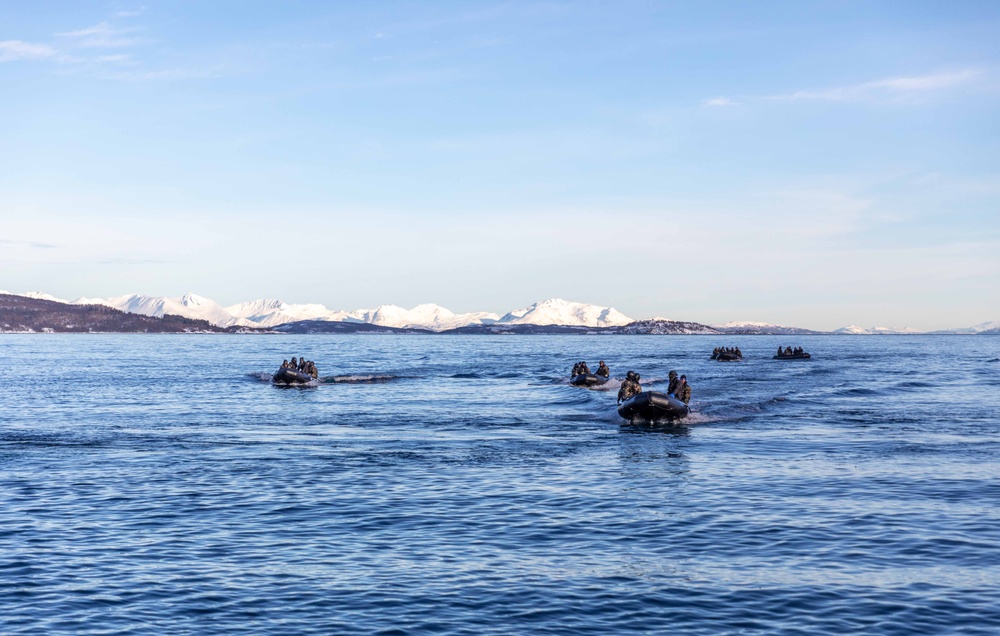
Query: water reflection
x=653 y=450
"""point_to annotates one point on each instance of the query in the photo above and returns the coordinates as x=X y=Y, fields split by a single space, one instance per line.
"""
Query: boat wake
x=372 y=378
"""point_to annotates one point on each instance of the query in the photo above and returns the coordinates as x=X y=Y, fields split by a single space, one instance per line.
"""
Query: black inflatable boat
x=652 y=405
x=285 y=375
x=588 y=379
x=797 y=356
x=728 y=357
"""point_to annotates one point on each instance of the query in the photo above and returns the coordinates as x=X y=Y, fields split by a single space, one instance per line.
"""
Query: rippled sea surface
x=458 y=485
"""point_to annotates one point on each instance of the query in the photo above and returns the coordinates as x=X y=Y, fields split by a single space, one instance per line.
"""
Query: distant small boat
x=651 y=406
x=588 y=379
x=284 y=375
x=795 y=356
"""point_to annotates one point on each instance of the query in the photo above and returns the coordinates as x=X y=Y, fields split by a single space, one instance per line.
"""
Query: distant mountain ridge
x=854 y=330
x=270 y=313
x=35 y=314
x=554 y=312
x=761 y=328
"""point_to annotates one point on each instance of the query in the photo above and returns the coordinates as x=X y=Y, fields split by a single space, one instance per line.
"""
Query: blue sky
x=814 y=164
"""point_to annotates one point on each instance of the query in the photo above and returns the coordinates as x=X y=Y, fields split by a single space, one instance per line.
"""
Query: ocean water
x=458 y=485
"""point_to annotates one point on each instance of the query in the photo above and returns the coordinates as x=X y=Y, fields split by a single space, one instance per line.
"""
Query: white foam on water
x=346 y=379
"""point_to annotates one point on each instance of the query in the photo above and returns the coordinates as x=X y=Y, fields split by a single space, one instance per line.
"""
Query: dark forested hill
x=23 y=314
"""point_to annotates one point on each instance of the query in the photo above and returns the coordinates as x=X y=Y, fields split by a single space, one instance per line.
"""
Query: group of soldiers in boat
x=789 y=352
x=302 y=366
x=726 y=351
x=677 y=387
x=581 y=368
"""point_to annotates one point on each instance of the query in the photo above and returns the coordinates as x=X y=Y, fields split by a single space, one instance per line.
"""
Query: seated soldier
x=683 y=392
x=672 y=386
x=603 y=370
x=584 y=369
x=630 y=387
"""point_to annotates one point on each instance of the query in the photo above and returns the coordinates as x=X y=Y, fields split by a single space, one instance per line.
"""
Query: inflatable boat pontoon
x=588 y=379
x=652 y=405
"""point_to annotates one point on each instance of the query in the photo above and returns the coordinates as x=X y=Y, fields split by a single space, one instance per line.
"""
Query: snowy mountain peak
x=854 y=330
x=255 y=307
x=194 y=300
x=556 y=311
x=986 y=326
x=37 y=295
x=735 y=324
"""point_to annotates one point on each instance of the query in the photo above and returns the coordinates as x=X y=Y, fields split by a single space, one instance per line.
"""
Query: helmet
x=636 y=377
x=672 y=374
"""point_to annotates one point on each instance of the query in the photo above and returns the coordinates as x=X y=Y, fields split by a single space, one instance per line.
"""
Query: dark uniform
x=584 y=369
x=673 y=382
x=603 y=370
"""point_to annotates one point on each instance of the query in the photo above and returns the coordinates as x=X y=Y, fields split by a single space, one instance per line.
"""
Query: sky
x=814 y=164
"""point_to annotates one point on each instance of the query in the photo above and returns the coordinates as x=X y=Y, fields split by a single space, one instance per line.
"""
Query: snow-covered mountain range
x=758 y=328
x=854 y=330
x=271 y=313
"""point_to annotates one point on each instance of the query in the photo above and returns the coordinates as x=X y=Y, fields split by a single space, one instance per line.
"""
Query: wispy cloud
x=720 y=101
x=11 y=50
x=894 y=86
x=887 y=88
x=103 y=35
x=100 y=51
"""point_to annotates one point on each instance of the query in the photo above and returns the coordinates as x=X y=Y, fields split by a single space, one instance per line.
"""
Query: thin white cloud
x=720 y=101
x=103 y=36
x=12 y=50
x=115 y=58
x=894 y=86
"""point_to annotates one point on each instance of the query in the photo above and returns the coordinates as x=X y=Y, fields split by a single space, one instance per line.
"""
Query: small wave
x=358 y=379
x=610 y=385
x=260 y=375
x=697 y=417
x=857 y=391
x=467 y=376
